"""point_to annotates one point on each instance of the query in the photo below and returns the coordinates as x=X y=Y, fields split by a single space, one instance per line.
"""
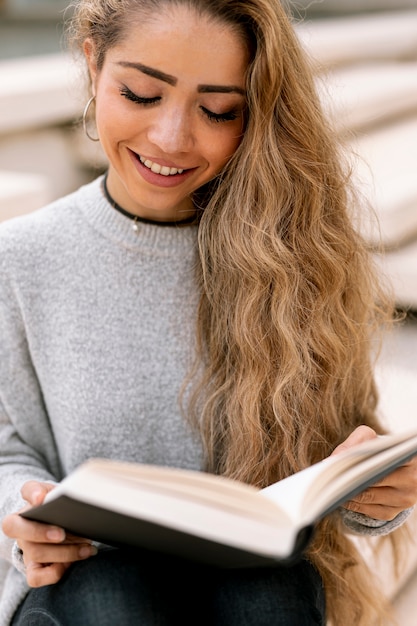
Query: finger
x=383 y=503
x=16 y=527
x=400 y=487
x=34 y=492
x=45 y=554
x=38 y=575
x=387 y=496
x=375 y=511
x=359 y=435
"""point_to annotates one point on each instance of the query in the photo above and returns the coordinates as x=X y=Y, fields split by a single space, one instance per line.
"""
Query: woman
x=206 y=304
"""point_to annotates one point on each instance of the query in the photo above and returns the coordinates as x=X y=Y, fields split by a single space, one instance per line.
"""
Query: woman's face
x=170 y=104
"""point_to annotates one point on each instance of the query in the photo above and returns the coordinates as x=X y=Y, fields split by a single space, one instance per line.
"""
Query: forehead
x=188 y=45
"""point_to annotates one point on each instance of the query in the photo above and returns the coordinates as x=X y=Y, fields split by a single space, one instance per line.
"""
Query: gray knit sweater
x=96 y=335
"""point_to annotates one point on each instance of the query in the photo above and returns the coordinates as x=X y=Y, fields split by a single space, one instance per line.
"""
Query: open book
x=210 y=518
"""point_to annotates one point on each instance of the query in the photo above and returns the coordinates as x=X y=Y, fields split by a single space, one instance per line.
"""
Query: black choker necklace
x=142 y=220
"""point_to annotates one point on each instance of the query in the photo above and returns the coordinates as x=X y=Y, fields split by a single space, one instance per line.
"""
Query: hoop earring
x=85 y=113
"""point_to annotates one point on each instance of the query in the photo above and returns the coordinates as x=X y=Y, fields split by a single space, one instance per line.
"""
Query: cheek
x=224 y=147
x=114 y=121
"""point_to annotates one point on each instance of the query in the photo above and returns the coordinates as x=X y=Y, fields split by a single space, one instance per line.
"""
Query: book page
x=291 y=492
x=313 y=491
x=240 y=527
x=200 y=487
x=368 y=469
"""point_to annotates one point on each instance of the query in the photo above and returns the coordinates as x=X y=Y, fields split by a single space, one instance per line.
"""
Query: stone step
x=38 y=91
x=357 y=98
x=385 y=172
x=400 y=267
x=343 y=7
x=375 y=36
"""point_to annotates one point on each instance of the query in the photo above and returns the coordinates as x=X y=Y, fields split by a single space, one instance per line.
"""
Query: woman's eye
x=129 y=95
x=229 y=116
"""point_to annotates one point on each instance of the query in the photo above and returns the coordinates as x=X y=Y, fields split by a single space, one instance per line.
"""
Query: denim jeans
x=139 y=588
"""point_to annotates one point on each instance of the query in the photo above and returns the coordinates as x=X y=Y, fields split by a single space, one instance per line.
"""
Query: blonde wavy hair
x=290 y=304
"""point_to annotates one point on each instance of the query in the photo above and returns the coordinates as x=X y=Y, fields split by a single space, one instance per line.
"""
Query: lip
x=158 y=179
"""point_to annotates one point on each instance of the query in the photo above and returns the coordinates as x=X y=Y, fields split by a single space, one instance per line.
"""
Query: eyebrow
x=171 y=80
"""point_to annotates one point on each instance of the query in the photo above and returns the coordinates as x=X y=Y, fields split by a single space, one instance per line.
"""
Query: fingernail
x=55 y=534
x=86 y=551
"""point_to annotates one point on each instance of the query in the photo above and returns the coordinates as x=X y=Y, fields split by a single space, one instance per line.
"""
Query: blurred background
x=30 y=27
x=364 y=54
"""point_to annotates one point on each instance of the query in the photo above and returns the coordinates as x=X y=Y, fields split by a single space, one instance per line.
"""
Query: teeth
x=160 y=169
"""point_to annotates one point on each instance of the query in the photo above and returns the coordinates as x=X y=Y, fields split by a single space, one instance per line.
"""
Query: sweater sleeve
x=27 y=449
x=361 y=524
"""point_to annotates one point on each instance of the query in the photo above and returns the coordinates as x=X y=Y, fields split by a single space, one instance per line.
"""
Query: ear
x=91 y=58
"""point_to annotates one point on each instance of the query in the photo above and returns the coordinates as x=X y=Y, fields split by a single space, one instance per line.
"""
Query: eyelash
x=211 y=116
x=220 y=117
x=129 y=95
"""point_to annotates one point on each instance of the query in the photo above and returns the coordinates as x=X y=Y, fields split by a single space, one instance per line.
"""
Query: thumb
x=359 y=435
x=34 y=492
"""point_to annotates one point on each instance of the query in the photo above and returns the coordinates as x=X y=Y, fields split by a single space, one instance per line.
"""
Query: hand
x=387 y=498
x=47 y=550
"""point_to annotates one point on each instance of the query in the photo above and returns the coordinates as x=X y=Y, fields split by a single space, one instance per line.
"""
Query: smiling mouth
x=159 y=169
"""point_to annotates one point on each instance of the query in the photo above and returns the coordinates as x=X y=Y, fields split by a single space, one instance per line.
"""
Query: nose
x=171 y=130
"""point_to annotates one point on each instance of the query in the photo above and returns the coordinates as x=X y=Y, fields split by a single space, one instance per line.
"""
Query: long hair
x=290 y=304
